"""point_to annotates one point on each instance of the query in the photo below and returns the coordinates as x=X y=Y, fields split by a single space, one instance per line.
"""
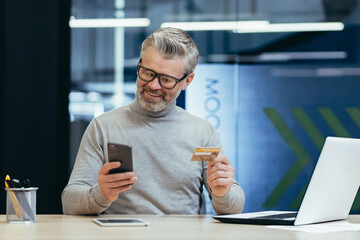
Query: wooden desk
x=162 y=227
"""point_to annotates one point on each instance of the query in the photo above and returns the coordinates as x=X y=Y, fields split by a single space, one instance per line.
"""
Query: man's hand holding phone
x=117 y=175
x=113 y=184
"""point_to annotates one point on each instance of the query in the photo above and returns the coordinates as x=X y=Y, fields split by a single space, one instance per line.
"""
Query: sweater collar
x=136 y=107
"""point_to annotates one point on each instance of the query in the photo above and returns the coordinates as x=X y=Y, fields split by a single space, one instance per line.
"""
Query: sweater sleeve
x=82 y=195
x=233 y=202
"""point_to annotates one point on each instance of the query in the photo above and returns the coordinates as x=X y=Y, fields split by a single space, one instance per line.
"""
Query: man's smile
x=152 y=94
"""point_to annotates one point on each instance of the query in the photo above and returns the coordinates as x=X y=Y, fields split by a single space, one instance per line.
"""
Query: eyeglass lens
x=149 y=75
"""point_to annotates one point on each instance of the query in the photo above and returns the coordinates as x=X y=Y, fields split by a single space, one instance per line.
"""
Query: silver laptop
x=330 y=193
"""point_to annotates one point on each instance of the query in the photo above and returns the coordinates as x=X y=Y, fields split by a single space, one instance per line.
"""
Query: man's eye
x=167 y=80
x=149 y=74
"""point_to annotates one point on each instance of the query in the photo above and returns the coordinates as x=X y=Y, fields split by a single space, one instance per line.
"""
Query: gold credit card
x=204 y=153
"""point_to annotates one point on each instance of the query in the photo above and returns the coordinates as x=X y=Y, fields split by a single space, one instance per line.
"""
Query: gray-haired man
x=163 y=138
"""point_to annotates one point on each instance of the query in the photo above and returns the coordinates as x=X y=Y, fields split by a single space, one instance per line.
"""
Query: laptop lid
x=334 y=183
x=330 y=193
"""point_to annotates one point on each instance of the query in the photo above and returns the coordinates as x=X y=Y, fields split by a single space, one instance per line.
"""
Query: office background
x=273 y=96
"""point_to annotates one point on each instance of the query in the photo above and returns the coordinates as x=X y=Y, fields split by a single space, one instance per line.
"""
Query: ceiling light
x=214 y=25
x=108 y=22
x=255 y=26
x=292 y=27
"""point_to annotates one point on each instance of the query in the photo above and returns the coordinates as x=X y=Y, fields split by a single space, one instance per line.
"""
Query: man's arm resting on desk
x=77 y=199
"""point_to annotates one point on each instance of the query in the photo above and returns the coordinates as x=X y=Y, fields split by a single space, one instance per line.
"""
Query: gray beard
x=154 y=107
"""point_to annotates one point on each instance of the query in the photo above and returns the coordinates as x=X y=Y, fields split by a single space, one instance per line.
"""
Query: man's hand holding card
x=220 y=174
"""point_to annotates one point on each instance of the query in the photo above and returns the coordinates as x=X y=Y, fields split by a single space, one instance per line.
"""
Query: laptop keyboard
x=279 y=216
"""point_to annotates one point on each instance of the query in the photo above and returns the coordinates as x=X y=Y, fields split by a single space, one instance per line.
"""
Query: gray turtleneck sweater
x=162 y=143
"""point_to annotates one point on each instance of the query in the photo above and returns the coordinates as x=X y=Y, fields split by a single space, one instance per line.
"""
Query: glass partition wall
x=285 y=39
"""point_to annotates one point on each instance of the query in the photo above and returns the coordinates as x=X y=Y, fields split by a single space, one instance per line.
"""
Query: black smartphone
x=123 y=154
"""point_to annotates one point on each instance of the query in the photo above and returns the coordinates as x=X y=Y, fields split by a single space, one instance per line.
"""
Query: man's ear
x=188 y=80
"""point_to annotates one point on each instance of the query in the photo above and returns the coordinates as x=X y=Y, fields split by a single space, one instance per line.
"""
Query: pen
x=15 y=201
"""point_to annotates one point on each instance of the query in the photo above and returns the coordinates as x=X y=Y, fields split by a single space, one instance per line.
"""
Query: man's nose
x=155 y=84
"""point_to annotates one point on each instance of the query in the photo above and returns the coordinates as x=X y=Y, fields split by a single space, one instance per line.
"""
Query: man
x=163 y=138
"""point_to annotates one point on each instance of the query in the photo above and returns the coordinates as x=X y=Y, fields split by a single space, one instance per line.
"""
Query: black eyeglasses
x=165 y=81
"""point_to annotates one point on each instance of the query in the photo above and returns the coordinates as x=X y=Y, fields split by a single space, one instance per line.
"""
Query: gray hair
x=172 y=43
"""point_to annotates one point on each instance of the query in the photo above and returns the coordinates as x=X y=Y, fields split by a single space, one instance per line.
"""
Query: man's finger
x=220 y=168
x=117 y=184
x=108 y=166
x=221 y=182
x=219 y=159
x=119 y=176
x=221 y=174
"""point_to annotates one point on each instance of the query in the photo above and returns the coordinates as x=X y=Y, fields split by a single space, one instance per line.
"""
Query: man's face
x=152 y=96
